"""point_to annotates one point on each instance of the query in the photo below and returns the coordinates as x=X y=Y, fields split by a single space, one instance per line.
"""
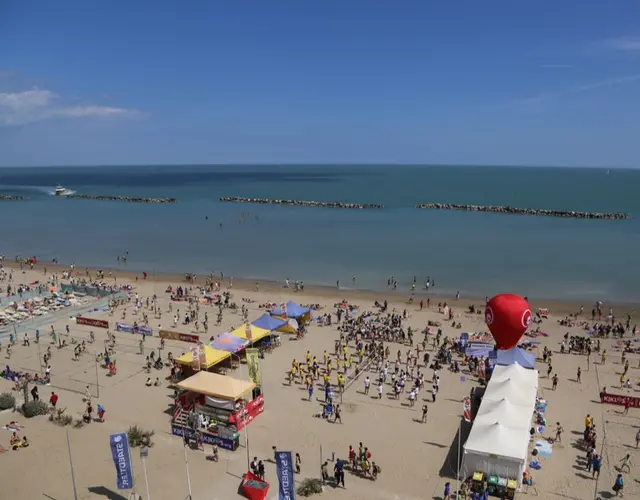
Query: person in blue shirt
x=618 y=486
x=447 y=491
x=596 y=463
x=37 y=336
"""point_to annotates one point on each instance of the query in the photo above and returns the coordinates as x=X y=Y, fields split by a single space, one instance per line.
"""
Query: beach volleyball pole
x=186 y=463
x=73 y=477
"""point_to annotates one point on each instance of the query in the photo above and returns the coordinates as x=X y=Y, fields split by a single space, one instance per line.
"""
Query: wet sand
x=416 y=459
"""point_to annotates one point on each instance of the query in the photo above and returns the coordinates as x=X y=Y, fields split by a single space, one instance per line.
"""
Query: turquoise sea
x=476 y=253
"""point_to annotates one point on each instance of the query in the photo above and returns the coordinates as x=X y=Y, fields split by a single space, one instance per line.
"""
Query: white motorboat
x=62 y=191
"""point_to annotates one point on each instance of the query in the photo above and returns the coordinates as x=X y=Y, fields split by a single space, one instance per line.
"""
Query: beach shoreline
x=126 y=275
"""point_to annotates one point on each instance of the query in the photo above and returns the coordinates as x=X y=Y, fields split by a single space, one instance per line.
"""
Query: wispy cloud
x=556 y=66
x=622 y=44
x=538 y=101
x=34 y=105
x=608 y=82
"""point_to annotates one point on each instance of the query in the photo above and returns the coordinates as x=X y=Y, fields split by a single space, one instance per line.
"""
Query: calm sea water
x=478 y=254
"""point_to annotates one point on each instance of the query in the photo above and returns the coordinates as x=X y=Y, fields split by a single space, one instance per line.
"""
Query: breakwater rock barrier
x=9 y=197
x=300 y=203
x=523 y=211
x=129 y=199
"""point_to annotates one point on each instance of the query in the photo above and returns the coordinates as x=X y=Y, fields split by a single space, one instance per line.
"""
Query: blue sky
x=477 y=82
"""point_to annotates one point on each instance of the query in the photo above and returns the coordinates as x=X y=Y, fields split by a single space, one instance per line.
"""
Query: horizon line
x=306 y=164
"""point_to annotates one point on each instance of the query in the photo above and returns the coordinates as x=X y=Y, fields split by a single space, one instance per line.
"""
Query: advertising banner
x=284 y=471
x=183 y=337
x=253 y=362
x=620 y=400
x=122 y=460
x=122 y=327
x=96 y=323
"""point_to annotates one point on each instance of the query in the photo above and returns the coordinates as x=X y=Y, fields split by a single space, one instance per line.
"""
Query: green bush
x=139 y=437
x=309 y=486
x=7 y=401
x=59 y=417
x=34 y=408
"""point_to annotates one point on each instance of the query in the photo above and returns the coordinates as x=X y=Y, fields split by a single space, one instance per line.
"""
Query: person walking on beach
x=596 y=464
x=626 y=462
x=425 y=411
x=637 y=439
x=559 y=431
x=367 y=384
x=555 y=382
x=578 y=375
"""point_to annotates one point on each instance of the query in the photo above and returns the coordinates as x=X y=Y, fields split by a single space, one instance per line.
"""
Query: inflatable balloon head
x=508 y=316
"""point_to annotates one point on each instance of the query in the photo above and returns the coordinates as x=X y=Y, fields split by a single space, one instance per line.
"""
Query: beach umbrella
x=508 y=316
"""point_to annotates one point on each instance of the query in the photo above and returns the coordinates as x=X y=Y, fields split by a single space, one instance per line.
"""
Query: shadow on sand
x=106 y=492
x=454 y=456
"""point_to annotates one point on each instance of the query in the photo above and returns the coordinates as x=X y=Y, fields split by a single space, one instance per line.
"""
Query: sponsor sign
x=224 y=443
x=122 y=460
x=183 y=337
x=253 y=362
x=466 y=409
x=122 y=327
x=284 y=471
x=96 y=323
x=620 y=400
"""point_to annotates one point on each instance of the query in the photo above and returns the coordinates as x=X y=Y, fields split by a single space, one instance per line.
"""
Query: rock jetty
x=299 y=203
x=9 y=197
x=130 y=199
x=523 y=211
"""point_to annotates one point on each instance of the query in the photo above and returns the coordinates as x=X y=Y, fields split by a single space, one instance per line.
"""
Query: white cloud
x=18 y=108
x=607 y=83
x=623 y=43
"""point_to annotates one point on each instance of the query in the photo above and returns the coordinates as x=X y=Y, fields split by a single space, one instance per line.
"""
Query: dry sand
x=416 y=459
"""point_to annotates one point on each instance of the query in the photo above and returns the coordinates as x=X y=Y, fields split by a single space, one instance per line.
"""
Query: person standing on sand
x=596 y=464
x=555 y=381
x=367 y=384
x=559 y=431
x=578 y=375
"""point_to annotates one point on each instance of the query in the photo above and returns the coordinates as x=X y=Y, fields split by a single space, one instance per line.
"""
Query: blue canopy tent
x=517 y=355
x=229 y=343
x=269 y=322
x=293 y=311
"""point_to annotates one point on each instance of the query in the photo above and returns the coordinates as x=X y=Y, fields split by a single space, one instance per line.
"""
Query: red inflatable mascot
x=508 y=316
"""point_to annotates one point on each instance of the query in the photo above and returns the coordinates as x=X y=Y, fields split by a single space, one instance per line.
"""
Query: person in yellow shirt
x=308 y=356
x=341 y=383
x=588 y=421
x=325 y=357
x=327 y=380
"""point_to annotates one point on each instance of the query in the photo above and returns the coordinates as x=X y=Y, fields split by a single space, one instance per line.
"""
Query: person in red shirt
x=53 y=400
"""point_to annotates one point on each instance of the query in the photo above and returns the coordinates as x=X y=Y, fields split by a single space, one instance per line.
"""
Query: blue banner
x=122 y=460
x=284 y=470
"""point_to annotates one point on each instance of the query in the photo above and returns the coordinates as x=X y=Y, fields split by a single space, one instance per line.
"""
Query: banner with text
x=122 y=460
x=184 y=337
x=121 y=327
x=284 y=471
x=253 y=362
x=97 y=323
x=620 y=400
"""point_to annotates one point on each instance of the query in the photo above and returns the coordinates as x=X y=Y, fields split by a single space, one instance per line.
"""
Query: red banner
x=97 y=323
x=466 y=409
x=184 y=337
x=620 y=400
x=243 y=417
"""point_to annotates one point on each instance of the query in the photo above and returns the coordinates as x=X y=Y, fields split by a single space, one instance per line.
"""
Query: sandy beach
x=416 y=459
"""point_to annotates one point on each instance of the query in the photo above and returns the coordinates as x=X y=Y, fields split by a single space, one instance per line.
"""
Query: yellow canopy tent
x=217 y=386
x=211 y=358
x=256 y=332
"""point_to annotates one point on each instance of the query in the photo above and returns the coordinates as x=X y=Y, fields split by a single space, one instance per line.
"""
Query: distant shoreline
x=558 y=307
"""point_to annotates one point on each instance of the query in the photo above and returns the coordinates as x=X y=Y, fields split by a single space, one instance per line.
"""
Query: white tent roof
x=503 y=411
x=515 y=372
x=497 y=439
x=518 y=393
